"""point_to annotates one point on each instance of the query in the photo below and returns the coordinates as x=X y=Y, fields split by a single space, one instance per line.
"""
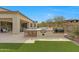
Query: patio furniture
x=43 y=32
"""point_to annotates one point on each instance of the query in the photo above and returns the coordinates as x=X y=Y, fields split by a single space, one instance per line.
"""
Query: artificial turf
x=40 y=46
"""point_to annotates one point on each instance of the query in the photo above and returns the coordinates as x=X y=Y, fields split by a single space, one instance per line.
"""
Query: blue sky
x=42 y=13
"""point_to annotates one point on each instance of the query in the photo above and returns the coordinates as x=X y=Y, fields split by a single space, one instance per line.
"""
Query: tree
x=53 y=22
x=59 y=21
x=49 y=22
x=42 y=24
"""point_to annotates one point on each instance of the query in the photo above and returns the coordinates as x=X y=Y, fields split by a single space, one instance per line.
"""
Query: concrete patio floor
x=19 y=38
x=52 y=37
x=14 y=38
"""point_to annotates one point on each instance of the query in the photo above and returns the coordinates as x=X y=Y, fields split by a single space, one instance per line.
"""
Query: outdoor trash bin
x=30 y=33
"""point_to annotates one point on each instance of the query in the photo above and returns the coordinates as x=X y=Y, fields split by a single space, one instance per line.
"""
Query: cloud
x=55 y=10
x=49 y=15
x=66 y=11
x=74 y=12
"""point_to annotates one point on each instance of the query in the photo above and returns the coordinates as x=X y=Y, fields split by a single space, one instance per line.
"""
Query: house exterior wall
x=70 y=26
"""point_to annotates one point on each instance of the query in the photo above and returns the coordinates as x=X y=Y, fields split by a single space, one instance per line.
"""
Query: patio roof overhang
x=22 y=17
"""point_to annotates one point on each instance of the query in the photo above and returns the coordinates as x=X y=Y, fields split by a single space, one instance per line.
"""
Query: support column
x=35 y=25
x=16 y=25
x=28 y=25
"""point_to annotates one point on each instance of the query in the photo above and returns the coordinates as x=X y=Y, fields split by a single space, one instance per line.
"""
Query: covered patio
x=15 y=38
x=6 y=24
x=15 y=21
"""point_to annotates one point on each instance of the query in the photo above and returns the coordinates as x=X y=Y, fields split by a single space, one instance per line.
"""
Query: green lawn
x=40 y=46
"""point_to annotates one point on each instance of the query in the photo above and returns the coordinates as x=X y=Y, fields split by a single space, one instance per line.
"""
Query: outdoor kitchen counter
x=30 y=33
